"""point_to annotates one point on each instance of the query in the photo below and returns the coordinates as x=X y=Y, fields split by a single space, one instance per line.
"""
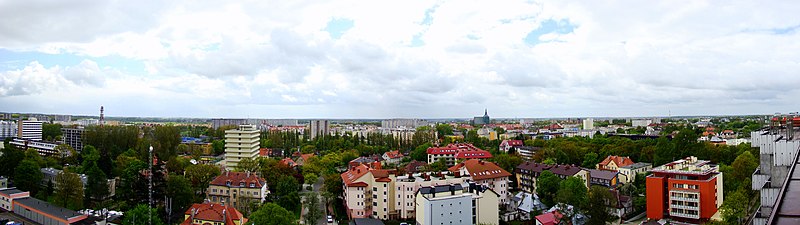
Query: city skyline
x=439 y=59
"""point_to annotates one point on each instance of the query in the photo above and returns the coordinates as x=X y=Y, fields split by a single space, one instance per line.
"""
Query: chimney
x=194 y=212
x=223 y=216
x=452 y=190
x=248 y=173
x=433 y=191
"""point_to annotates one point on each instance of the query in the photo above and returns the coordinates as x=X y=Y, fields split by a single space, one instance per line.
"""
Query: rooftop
x=10 y=191
x=213 y=212
x=637 y=165
x=49 y=209
x=688 y=165
x=479 y=169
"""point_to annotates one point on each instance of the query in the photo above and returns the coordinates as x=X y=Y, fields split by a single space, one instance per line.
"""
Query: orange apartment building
x=686 y=190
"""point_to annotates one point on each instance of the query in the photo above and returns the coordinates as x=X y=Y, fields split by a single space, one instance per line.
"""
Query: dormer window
x=228 y=183
x=241 y=184
x=252 y=185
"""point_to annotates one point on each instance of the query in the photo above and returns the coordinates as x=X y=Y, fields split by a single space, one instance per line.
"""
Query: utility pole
x=168 y=208
x=150 y=187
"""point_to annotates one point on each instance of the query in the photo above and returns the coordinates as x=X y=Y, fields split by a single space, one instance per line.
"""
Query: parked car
x=330 y=219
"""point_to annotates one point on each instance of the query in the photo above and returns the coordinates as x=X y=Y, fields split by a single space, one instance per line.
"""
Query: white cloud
x=274 y=59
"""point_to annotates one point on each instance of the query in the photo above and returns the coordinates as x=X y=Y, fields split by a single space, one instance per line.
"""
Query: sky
x=399 y=59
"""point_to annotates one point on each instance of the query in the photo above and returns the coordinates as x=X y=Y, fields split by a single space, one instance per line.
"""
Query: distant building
x=588 y=124
x=403 y=123
x=73 y=137
x=237 y=188
x=41 y=212
x=508 y=145
x=457 y=205
x=280 y=122
x=392 y=157
x=3 y=182
x=44 y=148
x=319 y=128
x=687 y=190
x=241 y=143
x=5 y=116
x=641 y=123
x=30 y=129
x=481 y=120
x=62 y=118
x=210 y=213
x=605 y=178
x=528 y=172
x=453 y=152
x=627 y=174
x=217 y=123
x=8 y=129
x=613 y=163
x=526 y=152
x=49 y=175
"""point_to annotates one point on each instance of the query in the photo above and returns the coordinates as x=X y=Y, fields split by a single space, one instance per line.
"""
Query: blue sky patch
x=547 y=27
x=338 y=26
x=12 y=60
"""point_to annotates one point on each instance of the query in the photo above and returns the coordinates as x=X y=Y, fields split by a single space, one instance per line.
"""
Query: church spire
x=485 y=112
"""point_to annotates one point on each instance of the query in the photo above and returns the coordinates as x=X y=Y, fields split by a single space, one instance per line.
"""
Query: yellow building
x=237 y=189
x=241 y=143
x=212 y=213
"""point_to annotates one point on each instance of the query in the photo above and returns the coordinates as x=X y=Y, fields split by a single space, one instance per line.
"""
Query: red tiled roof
x=353 y=174
x=473 y=154
x=306 y=156
x=412 y=166
x=479 y=169
x=550 y=218
x=213 y=212
x=288 y=162
x=554 y=126
x=619 y=160
x=442 y=150
x=512 y=143
x=394 y=154
x=264 y=152
x=236 y=178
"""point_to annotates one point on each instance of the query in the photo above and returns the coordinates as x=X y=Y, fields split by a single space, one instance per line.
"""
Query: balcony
x=768 y=196
x=684 y=215
x=685 y=207
x=759 y=180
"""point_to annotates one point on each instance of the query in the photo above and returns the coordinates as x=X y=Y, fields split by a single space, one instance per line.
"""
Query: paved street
x=316 y=188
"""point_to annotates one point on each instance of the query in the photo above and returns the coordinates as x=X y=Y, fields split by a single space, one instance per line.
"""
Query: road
x=317 y=188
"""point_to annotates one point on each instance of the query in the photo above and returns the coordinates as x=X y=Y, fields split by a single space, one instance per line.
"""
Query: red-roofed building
x=232 y=187
x=485 y=173
x=288 y=161
x=507 y=145
x=450 y=153
x=393 y=157
x=613 y=163
x=550 y=218
x=368 y=192
x=304 y=158
x=211 y=213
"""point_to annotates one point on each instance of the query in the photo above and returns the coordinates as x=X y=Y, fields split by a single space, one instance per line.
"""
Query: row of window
x=685 y=186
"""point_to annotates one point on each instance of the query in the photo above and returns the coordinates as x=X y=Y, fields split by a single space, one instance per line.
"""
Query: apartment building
x=319 y=128
x=687 y=190
x=368 y=192
x=456 y=204
x=210 y=213
x=241 y=143
x=406 y=187
x=627 y=174
x=613 y=163
x=73 y=137
x=528 y=172
x=452 y=153
x=508 y=145
x=775 y=177
x=8 y=129
x=486 y=174
x=237 y=188
x=30 y=129
x=392 y=157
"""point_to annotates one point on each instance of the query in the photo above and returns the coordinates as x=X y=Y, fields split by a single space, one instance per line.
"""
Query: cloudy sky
x=376 y=59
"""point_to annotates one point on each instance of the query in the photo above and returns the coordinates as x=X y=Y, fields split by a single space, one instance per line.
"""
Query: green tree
x=166 y=140
x=590 y=160
x=51 y=131
x=444 y=129
x=10 y=158
x=438 y=166
x=183 y=148
x=142 y=215
x=96 y=185
x=547 y=184
x=333 y=184
x=734 y=208
x=420 y=153
x=507 y=161
x=27 y=176
x=66 y=154
x=177 y=165
x=664 y=152
x=248 y=165
x=286 y=192
x=201 y=174
x=69 y=190
x=312 y=205
x=599 y=198
x=272 y=214
x=310 y=178
x=743 y=166
x=572 y=191
x=180 y=190
x=218 y=146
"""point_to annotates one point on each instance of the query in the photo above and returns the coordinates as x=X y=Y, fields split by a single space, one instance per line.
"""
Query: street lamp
x=150 y=186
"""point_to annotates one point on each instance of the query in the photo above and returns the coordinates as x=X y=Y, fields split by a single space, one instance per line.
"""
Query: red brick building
x=687 y=190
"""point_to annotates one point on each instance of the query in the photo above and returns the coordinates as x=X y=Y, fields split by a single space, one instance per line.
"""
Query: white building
x=457 y=204
x=30 y=129
x=43 y=148
x=778 y=148
x=241 y=143
x=87 y=122
x=8 y=129
x=641 y=123
x=403 y=123
x=486 y=174
x=588 y=124
x=319 y=128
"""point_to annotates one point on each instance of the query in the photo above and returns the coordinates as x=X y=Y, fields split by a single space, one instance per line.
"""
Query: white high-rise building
x=241 y=143
x=30 y=129
x=403 y=123
x=8 y=129
x=319 y=128
x=588 y=124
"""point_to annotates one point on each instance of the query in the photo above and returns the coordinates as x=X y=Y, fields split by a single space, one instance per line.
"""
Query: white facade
x=241 y=143
x=406 y=188
x=588 y=124
x=43 y=148
x=457 y=205
x=8 y=129
x=403 y=123
x=777 y=151
x=30 y=129
x=641 y=123
x=319 y=128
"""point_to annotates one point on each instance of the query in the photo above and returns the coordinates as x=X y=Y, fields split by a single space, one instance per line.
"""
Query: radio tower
x=102 y=118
